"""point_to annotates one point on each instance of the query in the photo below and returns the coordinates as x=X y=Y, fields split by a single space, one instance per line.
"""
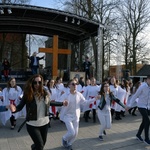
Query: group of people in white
x=109 y=100
x=11 y=94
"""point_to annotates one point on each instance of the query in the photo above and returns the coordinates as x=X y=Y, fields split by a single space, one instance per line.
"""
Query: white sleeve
x=62 y=97
x=135 y=96
x=84 y=101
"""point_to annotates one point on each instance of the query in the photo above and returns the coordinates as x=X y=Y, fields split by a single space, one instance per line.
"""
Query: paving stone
x=121 y=136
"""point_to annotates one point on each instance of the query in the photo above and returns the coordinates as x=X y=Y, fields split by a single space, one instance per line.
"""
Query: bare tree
x=15 y=1
x=102 y=12
x=4 y=43
x=136 y=14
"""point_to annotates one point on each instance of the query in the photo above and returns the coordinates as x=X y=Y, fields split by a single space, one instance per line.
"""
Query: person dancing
x=70 y=114
x=11 y=95
x=143 y=104
x=104 y=108
x=37 y=101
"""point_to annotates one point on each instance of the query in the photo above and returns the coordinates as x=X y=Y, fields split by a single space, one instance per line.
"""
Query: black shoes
x=13 y=122
x=118 y=118
x=33 y=147
x=64 y=143
x=100 y=138
x=69 y=147
x=139 y=138
x=133 y=114
x=104 y=132
x=129 y=111
x=147 y=142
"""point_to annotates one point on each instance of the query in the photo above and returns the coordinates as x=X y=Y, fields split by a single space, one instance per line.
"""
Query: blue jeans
x=145 y=123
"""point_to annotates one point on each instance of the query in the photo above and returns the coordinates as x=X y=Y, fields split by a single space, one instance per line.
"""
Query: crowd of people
x=44 y=99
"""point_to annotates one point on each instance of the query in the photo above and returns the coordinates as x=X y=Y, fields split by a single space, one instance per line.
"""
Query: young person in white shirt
x=79 y=87
x=133 y=91
x=104 y=108
x=60 y=90
x=53 y=95
x=11 y=95
x=70 y=115
x=120 y=94
x=90 y=92
x=86 y=109
x=143 y=104
x=125 y=85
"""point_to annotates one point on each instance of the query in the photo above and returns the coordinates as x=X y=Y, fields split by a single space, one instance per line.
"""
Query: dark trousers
x=86 y=115
x=87 y=74
x=38 y=135
x=145 y=123
x=34 y=69
x=132 y=112
x=94 y=115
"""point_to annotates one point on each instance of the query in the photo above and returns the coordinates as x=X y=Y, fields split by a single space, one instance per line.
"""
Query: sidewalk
x=120 y=137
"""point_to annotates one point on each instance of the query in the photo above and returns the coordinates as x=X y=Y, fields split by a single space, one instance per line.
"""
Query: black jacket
x=86 y=65
x=32 y=60
x=31 y=107
x=112 y=98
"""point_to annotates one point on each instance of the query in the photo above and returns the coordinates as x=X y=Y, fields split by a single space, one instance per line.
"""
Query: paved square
x=120 y=137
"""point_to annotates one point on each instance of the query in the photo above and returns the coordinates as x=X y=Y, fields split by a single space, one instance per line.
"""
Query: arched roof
x=45 y=21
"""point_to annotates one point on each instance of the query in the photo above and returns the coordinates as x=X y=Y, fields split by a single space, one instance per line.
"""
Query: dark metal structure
x=16 y=18
x=28 y=19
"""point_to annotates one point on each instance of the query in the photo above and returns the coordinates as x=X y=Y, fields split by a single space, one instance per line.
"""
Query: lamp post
x=100 y=53
x=131 y=60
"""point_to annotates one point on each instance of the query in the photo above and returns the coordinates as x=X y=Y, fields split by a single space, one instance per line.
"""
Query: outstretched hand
x=65 y=102
x=127 y=108
x=97 y=97
x=12 y=108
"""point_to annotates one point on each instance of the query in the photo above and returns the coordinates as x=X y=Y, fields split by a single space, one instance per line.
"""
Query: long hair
x=48 y=85
x=137 y=85
x=57 y=79
x=92 y=78
x=66 y=85
x=29 y=88
x=125 y=85
x=5 y=61
x=115 y=84
x=102 y=92
x=9 y=85
x=86 y=82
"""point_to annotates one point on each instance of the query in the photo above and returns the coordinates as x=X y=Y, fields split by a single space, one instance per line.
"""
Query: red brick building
x=113 y=71
x=13 y=47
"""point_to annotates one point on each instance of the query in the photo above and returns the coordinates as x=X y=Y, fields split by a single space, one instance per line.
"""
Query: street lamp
x=131 y=60
x=1 y=11
x=9 y=11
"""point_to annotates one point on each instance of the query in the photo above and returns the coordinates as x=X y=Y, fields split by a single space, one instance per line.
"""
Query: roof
x=144 y=71
x=45 y=21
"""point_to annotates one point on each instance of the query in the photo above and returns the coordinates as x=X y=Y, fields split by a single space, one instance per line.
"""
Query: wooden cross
x=55 y=51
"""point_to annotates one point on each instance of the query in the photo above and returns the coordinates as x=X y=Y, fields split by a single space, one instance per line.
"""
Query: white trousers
x=72 y=131
x=105 y=121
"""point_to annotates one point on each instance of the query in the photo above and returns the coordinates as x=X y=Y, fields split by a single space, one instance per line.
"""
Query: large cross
x=55 y=51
